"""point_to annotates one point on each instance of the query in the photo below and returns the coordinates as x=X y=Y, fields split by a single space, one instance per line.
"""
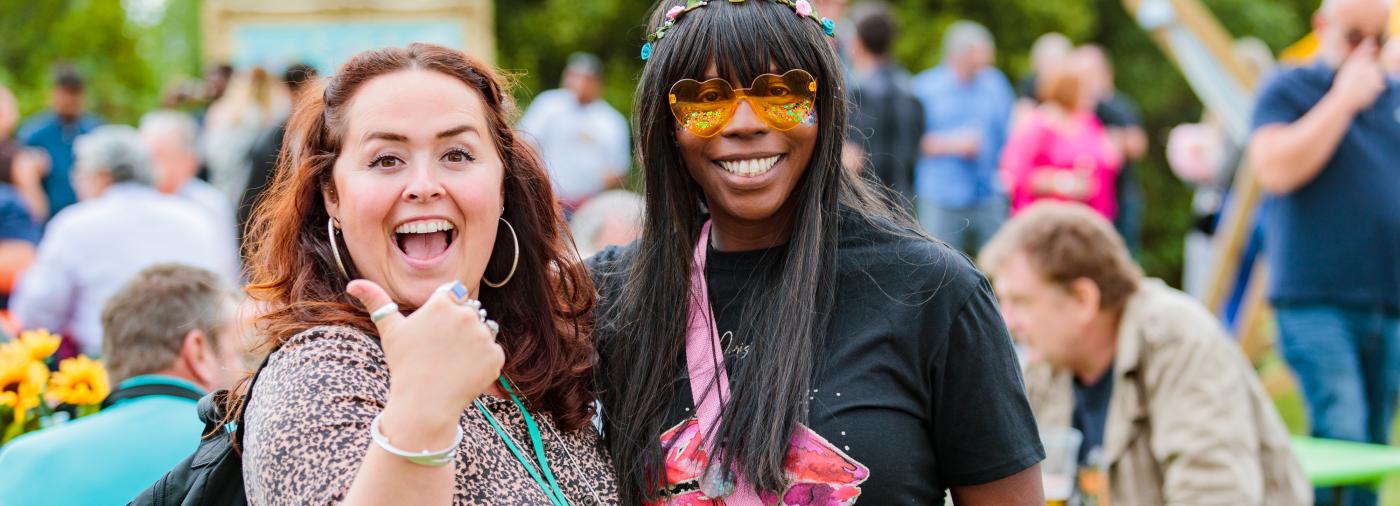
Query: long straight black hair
x=642 y=332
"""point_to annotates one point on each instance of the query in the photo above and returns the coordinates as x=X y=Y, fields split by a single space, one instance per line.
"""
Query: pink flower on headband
x=675 y=11
x=803 y=8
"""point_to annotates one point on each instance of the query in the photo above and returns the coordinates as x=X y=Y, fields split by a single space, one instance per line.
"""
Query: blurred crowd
x=988 y=148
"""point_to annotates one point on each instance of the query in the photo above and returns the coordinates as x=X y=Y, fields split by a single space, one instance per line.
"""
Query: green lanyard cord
x=547 y=483
x=529 y=467
x=536 y=440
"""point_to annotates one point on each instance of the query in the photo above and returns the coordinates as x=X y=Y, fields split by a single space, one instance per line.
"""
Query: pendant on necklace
x=717 y=482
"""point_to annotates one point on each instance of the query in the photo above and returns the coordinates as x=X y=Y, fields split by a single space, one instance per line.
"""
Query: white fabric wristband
x=423 y=458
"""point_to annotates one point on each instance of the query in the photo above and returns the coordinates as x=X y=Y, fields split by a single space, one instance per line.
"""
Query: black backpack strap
x=213 y=408
x=149 y=390
x=243 y=408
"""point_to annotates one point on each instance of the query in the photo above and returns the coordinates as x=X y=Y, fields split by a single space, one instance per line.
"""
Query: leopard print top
x=308 y=429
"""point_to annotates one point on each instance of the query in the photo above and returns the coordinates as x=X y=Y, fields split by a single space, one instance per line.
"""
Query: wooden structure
x=1196 y=42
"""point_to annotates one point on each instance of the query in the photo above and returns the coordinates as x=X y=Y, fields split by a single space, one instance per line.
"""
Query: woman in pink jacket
x=1060 y=151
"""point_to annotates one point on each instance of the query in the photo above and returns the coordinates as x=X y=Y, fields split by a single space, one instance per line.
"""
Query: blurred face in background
x=1095 y=71
x=1048 y=51
x=9 y=113
x=175 y=163
x=67 y=102
x=616 y=232
x=585 y=85
x=226 y=362
x=1342 y=26
x=216 y=81
x=1043 y=315
x=1064 y=88
x=968 y=61
x=89 y=182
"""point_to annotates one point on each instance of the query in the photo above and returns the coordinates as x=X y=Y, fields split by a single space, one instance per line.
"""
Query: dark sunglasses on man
x=1356 y=37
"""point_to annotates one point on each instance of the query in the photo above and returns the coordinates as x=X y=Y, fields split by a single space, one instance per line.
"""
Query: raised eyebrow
x=388 y=136
x=451 y=132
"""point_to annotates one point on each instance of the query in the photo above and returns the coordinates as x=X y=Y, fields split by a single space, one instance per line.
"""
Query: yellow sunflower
x=40 y=343
x=13 y=351
x=21 y=382
x=79 y=381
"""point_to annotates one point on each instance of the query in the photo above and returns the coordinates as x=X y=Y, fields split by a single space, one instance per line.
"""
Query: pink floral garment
x=818 y=473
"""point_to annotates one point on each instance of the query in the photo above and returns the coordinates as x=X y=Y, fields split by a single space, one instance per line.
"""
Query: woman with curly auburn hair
x=405 y=208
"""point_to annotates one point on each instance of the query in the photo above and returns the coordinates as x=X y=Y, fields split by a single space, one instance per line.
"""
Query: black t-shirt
x=1026 y=88
x=1119 y=111
x=919 y=387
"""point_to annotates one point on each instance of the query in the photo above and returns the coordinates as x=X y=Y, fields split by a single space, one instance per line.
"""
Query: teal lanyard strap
x=529 y=468
x=536 y=441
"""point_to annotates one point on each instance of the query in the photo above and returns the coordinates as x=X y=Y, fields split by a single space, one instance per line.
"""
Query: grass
x=1278 y=380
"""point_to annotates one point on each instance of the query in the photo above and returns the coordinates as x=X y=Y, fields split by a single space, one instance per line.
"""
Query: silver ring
x=494 y=327
x=383 y=312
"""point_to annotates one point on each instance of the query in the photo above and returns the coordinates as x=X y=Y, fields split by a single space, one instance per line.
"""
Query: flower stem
x=87 y=409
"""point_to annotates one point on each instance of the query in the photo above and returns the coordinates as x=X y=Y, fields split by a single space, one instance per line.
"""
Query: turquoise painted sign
x=326 y=45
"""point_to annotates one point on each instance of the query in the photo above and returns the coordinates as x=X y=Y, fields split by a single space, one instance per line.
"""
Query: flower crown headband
x=803 y=8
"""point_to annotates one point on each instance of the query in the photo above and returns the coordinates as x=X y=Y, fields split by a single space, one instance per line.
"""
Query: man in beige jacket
x=1168 y=405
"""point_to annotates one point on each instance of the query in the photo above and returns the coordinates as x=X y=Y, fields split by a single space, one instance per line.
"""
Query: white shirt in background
x=583 y=145
x=92 y=248
x=220 y=212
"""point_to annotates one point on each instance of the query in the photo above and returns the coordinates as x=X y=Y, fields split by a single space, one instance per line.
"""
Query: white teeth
x=751 y=167
x=423 y=227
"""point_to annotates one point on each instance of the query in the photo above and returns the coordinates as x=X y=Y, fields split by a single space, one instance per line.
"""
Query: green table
x=1333 y=463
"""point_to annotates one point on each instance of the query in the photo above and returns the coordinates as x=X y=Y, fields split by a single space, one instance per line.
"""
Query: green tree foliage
x=172 y=44
x=125 y=63
x=536 y=37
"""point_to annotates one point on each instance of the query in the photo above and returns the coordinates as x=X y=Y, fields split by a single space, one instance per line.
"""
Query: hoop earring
x=335 y=250
x=515 y=240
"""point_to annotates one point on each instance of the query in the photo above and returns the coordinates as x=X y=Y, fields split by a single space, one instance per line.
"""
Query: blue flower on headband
x=829 y=27
x=646 y=51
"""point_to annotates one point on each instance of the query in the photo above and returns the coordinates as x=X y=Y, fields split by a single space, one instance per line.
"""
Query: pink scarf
x=709 y=385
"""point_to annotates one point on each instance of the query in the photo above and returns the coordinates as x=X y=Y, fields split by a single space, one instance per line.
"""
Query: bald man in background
x=1326 y=150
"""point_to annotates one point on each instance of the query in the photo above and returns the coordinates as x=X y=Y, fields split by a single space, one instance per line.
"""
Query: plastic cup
x=1061 y=465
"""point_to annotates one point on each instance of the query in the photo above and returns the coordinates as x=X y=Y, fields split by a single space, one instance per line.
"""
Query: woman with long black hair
x=777 y=305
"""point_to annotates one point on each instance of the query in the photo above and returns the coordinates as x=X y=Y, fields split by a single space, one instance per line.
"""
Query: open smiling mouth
x=425 y=239
x=750 y=167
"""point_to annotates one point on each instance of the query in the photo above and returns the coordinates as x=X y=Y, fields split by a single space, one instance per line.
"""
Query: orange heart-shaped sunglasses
x=782 y=101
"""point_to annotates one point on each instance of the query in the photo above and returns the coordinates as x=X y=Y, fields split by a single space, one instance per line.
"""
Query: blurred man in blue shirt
x=1326 y=149
x=55 y=130
x=967 y=107
x=171 y=335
